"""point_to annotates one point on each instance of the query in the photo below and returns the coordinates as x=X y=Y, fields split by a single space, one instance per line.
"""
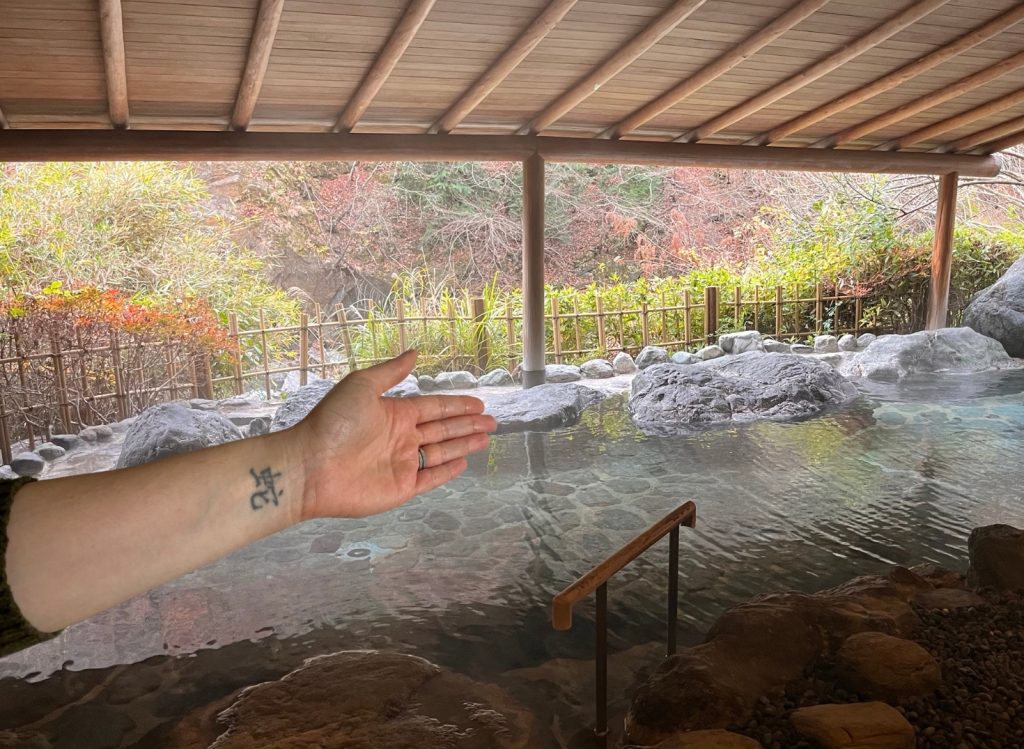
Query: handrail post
x=601 y=666
x=673 y=590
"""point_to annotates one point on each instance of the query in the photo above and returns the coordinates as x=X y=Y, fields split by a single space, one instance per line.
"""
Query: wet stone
x=552 y=487
x=629 y=486
x=67 y=441
x=49 y=451
x=439 y=520
x=326 y=544
x=476 y=526
x=616 y=519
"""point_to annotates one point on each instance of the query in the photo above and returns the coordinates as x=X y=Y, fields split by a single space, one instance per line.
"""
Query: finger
x=434 y=407
x=447 y=451
x=456 y=426
x=431 y=478
x=386 y=375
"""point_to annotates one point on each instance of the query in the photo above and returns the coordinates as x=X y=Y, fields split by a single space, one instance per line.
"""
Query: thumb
x=386 y=375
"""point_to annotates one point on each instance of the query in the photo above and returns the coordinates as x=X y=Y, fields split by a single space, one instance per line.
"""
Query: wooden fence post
x=120 y=398
x=645 y=332
x=346 y=339
x=204 y=376
x=233 y=332
x=481 y=338
x=710 y=314
x=576 y=325
x=266 y=353
x=778 y=312
x=403 y=342
x=453 y=337
x=319 y=317
x=858 y=311
x=819 y=308
x=737 y=301
x=5 y=437
x=63 y=407
x=510 y=335
x=556 y=330
x=303 y=348
x=172 y=372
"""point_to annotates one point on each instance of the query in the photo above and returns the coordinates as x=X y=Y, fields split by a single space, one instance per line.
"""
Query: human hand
x=360 y=450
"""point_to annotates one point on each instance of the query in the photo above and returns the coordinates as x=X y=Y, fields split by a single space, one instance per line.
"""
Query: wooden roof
x=938 y=77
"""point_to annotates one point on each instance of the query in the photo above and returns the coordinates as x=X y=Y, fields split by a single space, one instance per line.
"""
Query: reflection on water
x=464 y=576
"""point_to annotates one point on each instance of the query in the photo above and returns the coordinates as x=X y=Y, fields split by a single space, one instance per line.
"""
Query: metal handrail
x=597 y=580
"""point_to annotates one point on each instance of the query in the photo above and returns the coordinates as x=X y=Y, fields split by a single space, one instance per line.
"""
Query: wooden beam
x=112 y=35
x=944 y=94
x=714 y=70
x=400 y=39
x=988 y=135
x=143 y=145
x=260 y=45
x=4 y=124
x=1011 y=140
x=621 y=59
x=896 y=78
x=813 y=72
x=942 y=253
x=533 y=271
x=988 y=109
x=500 y=69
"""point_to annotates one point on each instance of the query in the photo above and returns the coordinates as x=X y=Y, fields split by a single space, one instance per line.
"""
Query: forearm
x=77 y=546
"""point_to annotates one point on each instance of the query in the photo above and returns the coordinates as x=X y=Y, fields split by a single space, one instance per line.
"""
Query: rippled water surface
x=464 y=576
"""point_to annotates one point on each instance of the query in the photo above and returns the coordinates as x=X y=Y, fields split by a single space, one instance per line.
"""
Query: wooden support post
x=710 y=315
x=481 y=340
x=942 y=252
x=303 y=348
x=533 y=271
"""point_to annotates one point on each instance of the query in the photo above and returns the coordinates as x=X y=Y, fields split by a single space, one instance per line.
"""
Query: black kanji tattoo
x=266 y=492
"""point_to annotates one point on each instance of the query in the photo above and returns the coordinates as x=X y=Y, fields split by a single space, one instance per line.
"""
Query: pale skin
x=79 y=545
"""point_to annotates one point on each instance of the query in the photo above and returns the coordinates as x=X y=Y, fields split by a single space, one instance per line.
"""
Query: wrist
x=281 y=460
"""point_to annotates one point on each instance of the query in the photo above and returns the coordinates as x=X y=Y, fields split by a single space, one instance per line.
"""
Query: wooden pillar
x=533 y=271
x=942 y=252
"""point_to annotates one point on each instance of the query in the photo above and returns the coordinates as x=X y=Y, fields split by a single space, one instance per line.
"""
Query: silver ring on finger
x=423 y=458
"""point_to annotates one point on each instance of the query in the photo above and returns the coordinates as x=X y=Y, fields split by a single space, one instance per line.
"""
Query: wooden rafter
x=112 y=35
x=896 y=78
x=988 y=109
x=1014 y=139
x=989 y=135
x=141 y=145
x=260 y=46
x=815 y=71
x=412 y=19
x=612 y=66
x=715 y=69
x=944 y=94
x=539 y=28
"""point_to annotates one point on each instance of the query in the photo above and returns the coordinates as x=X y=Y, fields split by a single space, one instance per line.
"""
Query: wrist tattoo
x=266 y=492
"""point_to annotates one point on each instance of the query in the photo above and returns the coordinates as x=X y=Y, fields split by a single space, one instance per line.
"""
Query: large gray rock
x=741 y=342
x=407 y=388
x=826 y=344
x=775 y=347
x=49 y=451
x=67 y=441
x=363 y=699
x=953 y=350
x=710 y=352
x=997 y=557
x=562 y=373
x=684 y=357
x=865 y=339
x=459 y=380
x=847 y=342
x=171 y=429
x=541 y=408
x=497 y=378
x=651 y=355
x=597 y=369
x=623 y=363
x=27 y=464
x=998 y=311
x=300 y=403
x=672 y=398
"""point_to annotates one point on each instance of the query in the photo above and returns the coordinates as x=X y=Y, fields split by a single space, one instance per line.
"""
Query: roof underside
x=939 y=76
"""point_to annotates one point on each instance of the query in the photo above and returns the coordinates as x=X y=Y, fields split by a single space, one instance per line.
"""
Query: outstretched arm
x=79 y=545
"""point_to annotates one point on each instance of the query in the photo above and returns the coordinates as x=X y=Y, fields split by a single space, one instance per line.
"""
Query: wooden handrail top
x=562 y=605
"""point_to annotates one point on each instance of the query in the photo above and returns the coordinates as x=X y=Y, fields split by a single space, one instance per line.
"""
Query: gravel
x=979 y=705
